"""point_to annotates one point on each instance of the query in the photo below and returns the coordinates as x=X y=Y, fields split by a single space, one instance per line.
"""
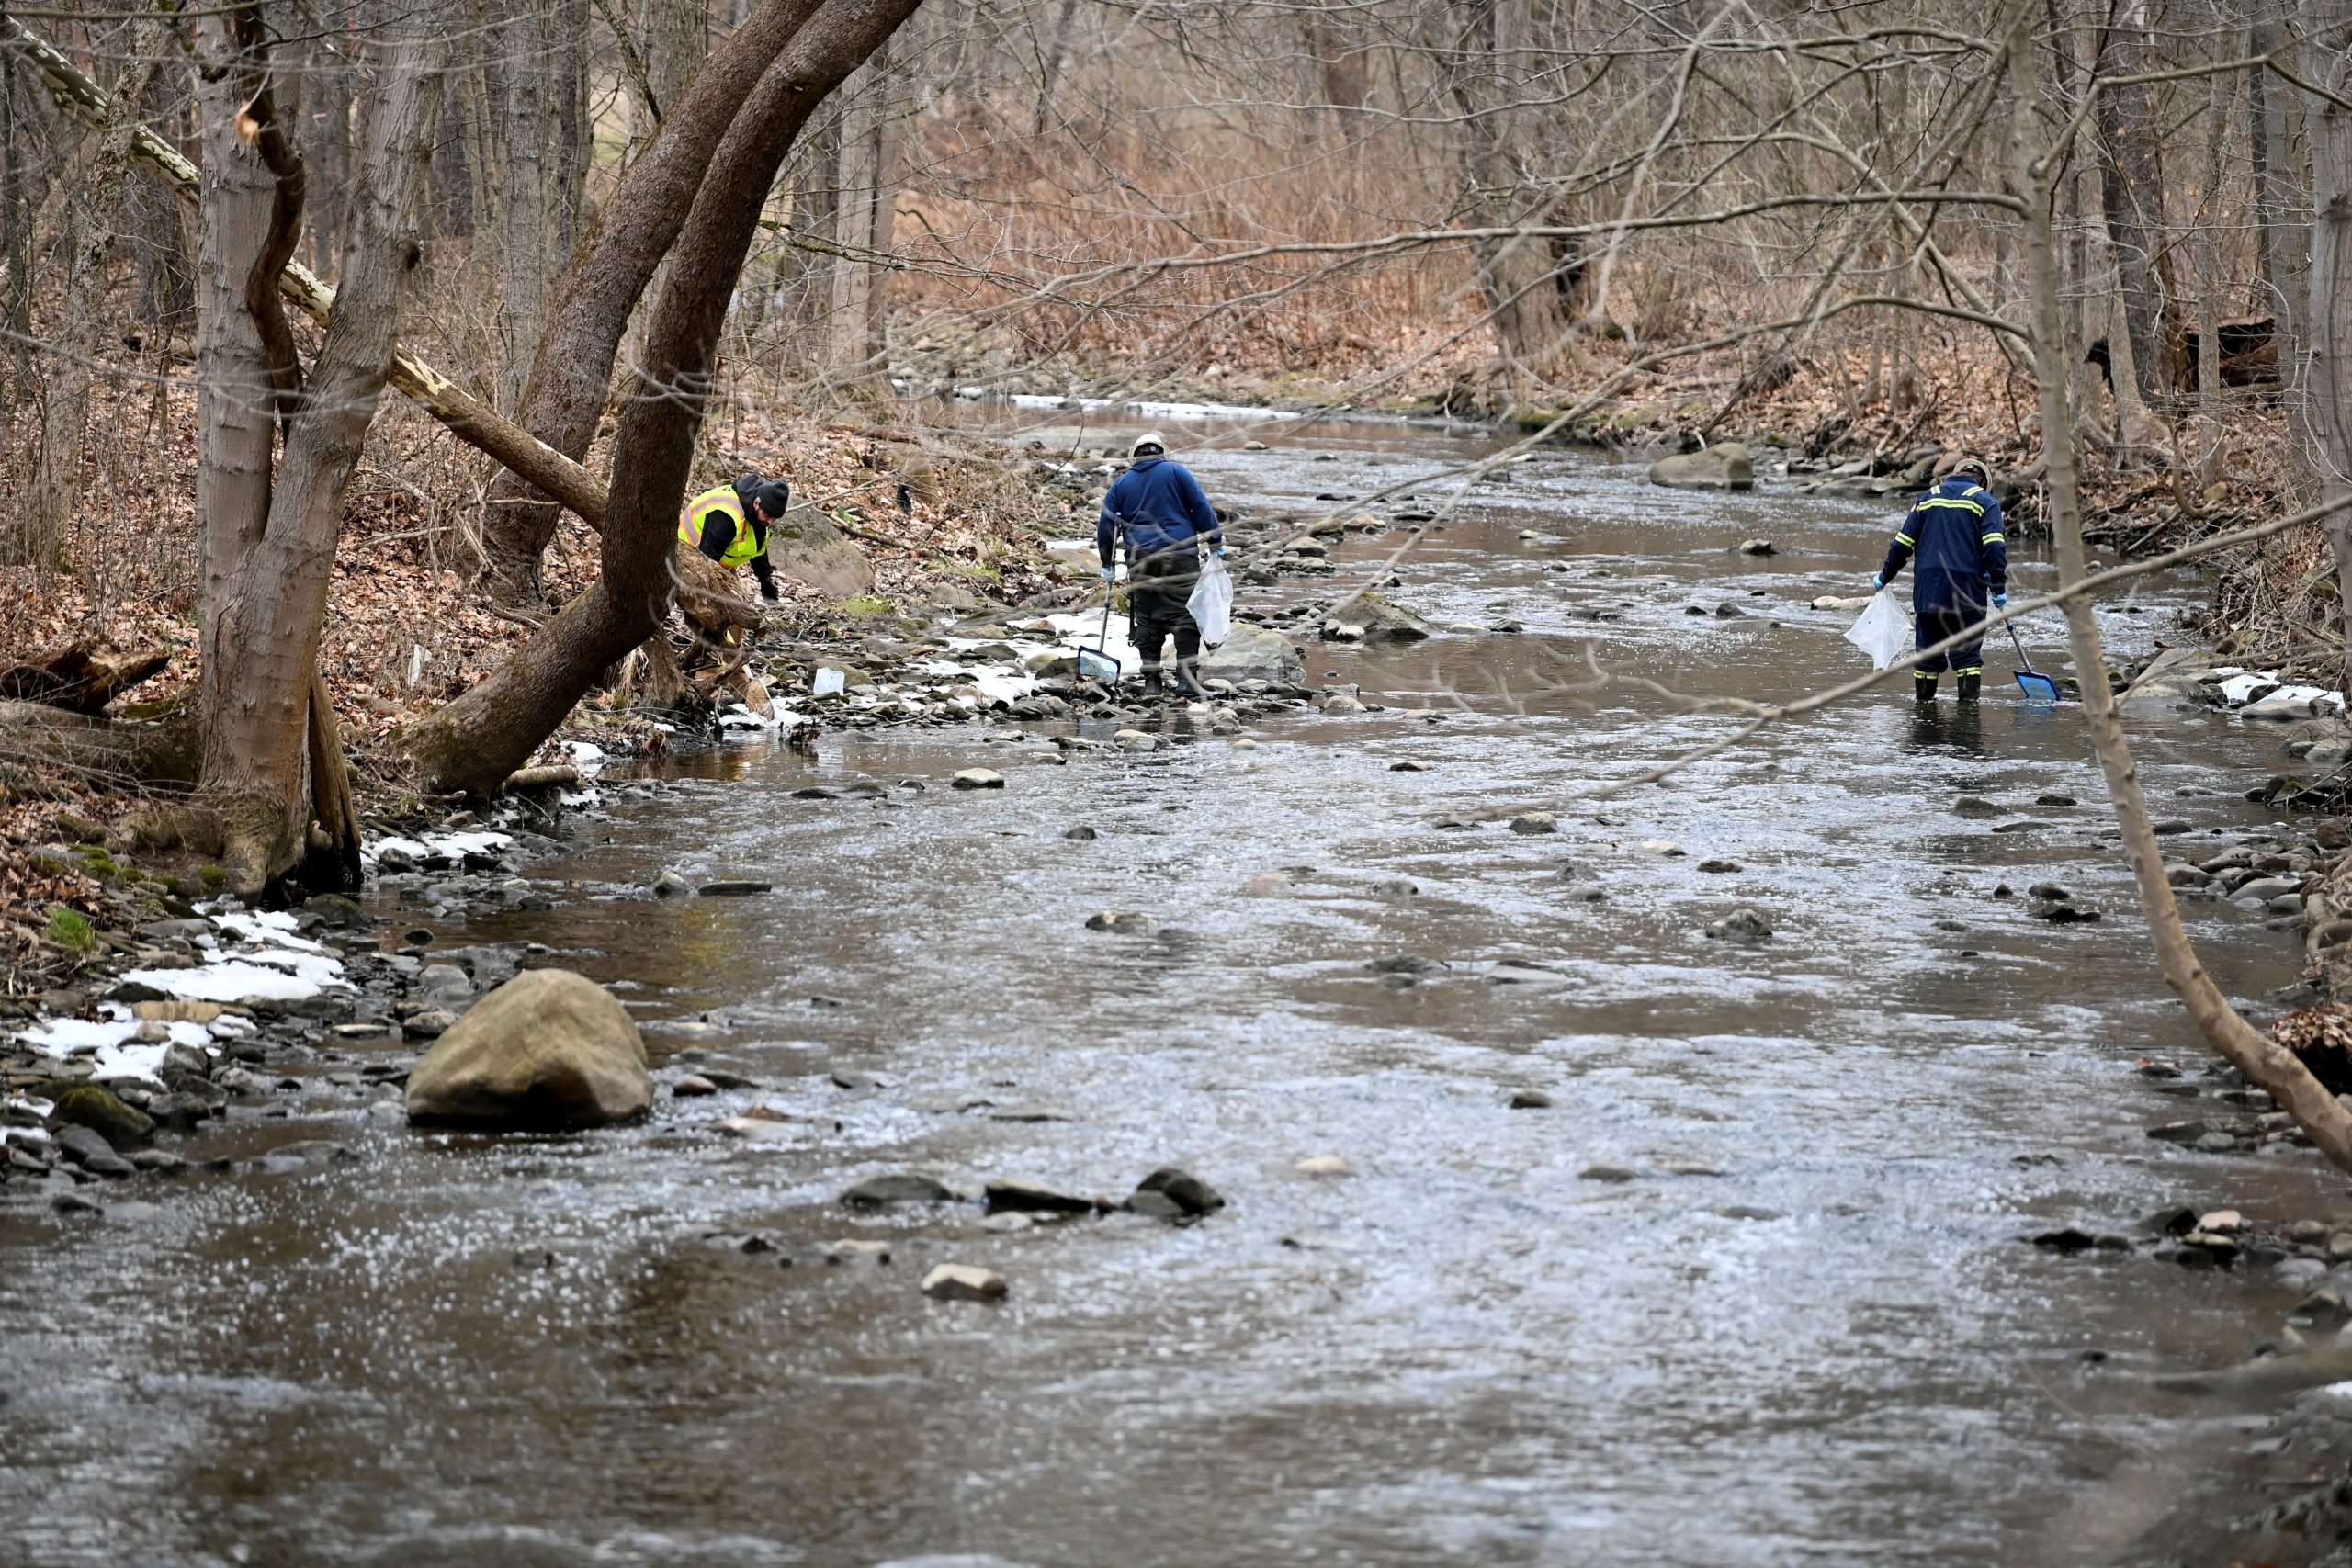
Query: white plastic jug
x=1884 y=630
x=1211 y=603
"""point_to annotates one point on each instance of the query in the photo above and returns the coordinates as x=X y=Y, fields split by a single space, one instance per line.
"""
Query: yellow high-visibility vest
x=723 y=499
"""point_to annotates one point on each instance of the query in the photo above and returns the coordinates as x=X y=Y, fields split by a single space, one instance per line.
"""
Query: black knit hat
x=774 y=496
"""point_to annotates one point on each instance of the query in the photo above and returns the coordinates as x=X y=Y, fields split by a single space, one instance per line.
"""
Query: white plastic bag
x=1884 y=630
x=1211 y=603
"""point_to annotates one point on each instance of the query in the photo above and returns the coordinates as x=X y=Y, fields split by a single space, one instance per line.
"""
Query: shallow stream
x=1805 y=1330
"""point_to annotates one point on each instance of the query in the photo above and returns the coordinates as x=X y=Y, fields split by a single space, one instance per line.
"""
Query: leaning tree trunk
x=2328 y=398
x=475 y=741
x=265 y=711
x=2264 y=1061
x=573 y=368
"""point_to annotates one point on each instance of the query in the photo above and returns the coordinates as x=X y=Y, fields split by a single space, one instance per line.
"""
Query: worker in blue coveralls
x=1954 y=531
x=1161 y=513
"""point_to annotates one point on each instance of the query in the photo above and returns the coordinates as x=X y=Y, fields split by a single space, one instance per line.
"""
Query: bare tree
x=272 y=761
x=480 y=738
x=2327 y=60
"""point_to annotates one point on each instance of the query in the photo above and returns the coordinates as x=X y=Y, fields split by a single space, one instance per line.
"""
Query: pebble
x=1535 y=823
x=1136 y=740
x=429 y=1023
x=1666 y=847
x=1035 y=1197
x=1531 y=1099
x=1607 y=1173
x=1176 y=1185
x=1341 y=703
x=735 y=889
x=873 y=1254
x=903 y=1187
x=1720 y=865
x=670 y=884
x=1408 y=767
x=692 y=1087
x=1083 y=834
x=978 y=778
x=1741 y=925
x=1125 y=922
x=964 y=1282
x=1757 y=547
x=1323 y=1165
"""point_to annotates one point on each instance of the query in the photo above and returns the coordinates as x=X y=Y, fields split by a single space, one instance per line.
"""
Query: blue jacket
x=1159 y=506
x=1955 y=532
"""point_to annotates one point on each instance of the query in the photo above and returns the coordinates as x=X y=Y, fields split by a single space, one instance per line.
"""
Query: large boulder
x=1382 y=620
x=548 y=1049
x=2177 y=675
x=1727 y=466
x=1253 y=653
x=805 y=546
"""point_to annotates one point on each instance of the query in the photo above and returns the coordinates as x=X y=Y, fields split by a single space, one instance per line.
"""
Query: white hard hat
x=1148 y=441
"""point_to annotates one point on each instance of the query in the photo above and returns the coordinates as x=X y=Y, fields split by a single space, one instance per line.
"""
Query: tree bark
x=482 y=737
x=232 y=405
x=873 y=145
x=526 y=105
x=573 y=368
x=1518 y=276
x=2131 y=184
x=15 y=239
x=2328 y=34
x=2266 y=1063
x=805 y=275
x=261 y=677
x=2284 y=202
x=574 y=127
x=2210 y=285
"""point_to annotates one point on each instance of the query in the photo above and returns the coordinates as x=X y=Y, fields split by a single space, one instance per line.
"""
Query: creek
x=1806 y=1328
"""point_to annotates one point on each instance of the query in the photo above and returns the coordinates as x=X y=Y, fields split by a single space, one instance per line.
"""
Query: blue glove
x=1216 y=552
x=2000 y=601
x=1108 y=574
x=1878 y=580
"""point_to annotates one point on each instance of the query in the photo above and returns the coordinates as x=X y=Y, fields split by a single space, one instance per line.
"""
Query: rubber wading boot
x=1970 y=685
x=1923 y=687
x=1188 y=680
x=1152 y=687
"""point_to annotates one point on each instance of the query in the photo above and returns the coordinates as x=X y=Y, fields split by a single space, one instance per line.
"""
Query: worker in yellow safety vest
x=728 y=524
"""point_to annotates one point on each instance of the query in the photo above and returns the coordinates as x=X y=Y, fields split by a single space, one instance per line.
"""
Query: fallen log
x=82 y=678
x=158 y=754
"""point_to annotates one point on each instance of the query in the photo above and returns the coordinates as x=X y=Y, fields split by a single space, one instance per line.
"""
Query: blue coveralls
x=1954 y=531
x=1164 y=515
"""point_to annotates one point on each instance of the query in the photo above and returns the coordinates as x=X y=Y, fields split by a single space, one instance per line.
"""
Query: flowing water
x=1806 y=1330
